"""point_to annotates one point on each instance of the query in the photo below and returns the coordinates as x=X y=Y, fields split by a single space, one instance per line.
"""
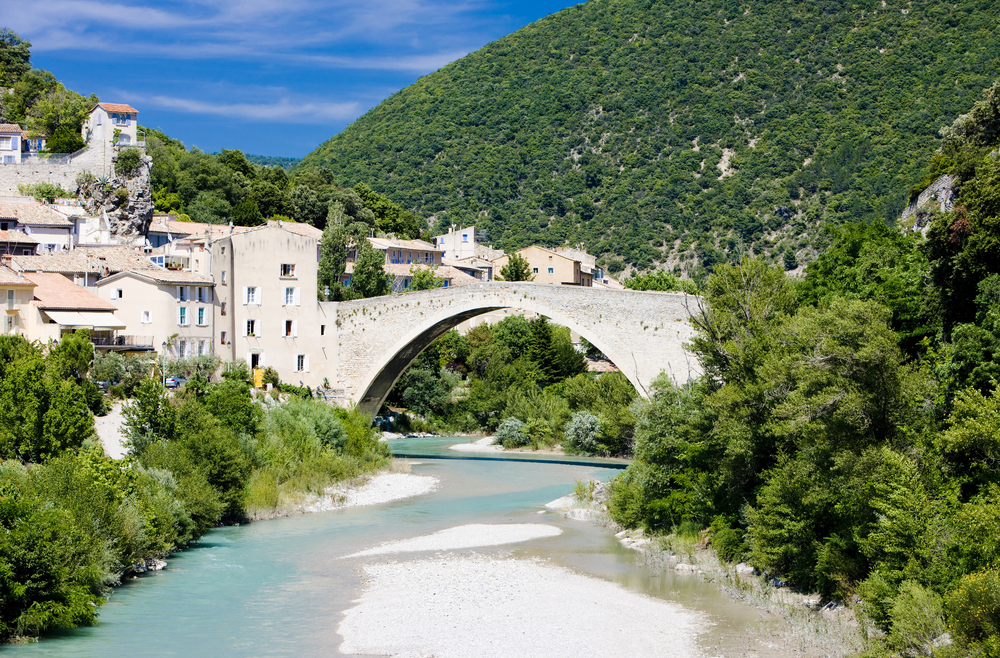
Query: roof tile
x=54 y=291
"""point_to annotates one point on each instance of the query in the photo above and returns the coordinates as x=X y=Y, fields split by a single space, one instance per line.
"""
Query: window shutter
x=260 y=360
x=258 y=327
x=295 y=328
x=298 y=297
x=246 y=295
x=284 y=297
x=259 y=294
x=295 y=363
x=178 y=293
x=244 y=328
x=307 y=363
x=178 y=315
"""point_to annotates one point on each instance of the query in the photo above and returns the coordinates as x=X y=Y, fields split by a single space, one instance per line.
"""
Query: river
x=280 y=588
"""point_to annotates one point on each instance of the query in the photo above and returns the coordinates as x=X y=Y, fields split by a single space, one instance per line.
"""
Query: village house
x=17 y=294
x=401 y=256
x=10 y=143
x=105 y=118
x=111 y=259
x=74 y=266
x=59 y=307
x=53 y=230
x=171 y=310
x=548 y=266
x=13 y=241
x=265 y=283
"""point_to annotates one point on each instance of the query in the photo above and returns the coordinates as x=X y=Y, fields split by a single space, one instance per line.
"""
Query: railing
x=46 y=158
x=123 y=341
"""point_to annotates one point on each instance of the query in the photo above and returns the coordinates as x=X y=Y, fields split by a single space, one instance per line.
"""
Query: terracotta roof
x=8 y=128
x=412 y=245
x=71 y=263
x=17 y=237
x=116 y=259
x=33 y=214
x=54 y=291
x=9 y=277
x=161 y=275
x=118 y=107
x=467 y=263
x=300 y=228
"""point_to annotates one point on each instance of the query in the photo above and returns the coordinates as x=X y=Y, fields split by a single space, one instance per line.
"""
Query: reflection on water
x=278 y=588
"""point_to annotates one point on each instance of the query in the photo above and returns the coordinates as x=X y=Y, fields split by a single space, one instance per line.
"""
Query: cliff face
x=125 y=196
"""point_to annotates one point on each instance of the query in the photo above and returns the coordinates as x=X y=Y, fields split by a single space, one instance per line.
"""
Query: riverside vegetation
x=845 y=434
x=75 y=522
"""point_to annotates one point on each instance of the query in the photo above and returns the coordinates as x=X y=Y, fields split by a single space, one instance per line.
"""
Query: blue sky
x=270 y=77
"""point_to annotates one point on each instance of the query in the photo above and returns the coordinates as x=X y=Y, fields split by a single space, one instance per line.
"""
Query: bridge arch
x=642 y=333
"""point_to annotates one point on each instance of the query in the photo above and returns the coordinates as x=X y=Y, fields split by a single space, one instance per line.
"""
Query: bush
x=581 y=432
x=511 y=434
x=128 y=161
x=974 y=606
x=121 y=195
x=917 y=619
x=726 y=540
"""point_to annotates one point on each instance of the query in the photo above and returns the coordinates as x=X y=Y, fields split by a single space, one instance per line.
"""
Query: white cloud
x=284 y=110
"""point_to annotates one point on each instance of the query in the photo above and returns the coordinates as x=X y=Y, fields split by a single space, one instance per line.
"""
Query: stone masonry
x=643 y=333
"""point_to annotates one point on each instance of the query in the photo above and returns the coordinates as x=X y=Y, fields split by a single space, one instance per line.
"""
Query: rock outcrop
x=126 y=196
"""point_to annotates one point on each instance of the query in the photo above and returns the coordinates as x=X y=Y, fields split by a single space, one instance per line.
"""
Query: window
x=10 y=300
x=98 y=118
x=222 y=337
x=222 y=250
x=182 y=317
x=290 y=328
x=183 y=293
x=251 y=328
x=465 y=237
x=222 y=307
x=118 y=294
x=550 y=270
x=182 y=347
x=251 y=296
x=287 y=270
x=223 y=277
x=199 y=293
x=322 y=329
x=534 y=270
x=3 y=226
x=301 y=363
x=291 y=297
x=201 y=316
x=147 y=317
x=5 y=143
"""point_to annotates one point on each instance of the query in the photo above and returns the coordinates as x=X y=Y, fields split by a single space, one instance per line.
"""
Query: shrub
x=581 y=432
x=128 y=161
x=726 y=540
x=121 y=196
x=511 y=434
x=917 y=619
x=974 y=606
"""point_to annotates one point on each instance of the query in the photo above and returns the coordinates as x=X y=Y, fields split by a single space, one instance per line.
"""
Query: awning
x=96 y=319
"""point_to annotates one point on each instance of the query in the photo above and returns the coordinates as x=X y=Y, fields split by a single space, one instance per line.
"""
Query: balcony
x=113 y=341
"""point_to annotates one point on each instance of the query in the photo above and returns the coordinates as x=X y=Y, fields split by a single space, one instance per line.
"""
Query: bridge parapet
x=643 y=333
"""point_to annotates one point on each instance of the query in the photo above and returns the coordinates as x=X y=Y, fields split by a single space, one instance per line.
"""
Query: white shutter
x=307 y=363
x=298 y=297
x=258 y=327
x=284 y=296
x=260 y=360
x=295 y=328
x=178 y=315
x=211 y=295
x=295 y=363
x=244 y=328
x=258 y=294
x=246 y=295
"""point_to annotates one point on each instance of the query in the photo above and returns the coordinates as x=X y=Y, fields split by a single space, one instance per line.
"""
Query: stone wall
x=37 y=171
x=643 y=333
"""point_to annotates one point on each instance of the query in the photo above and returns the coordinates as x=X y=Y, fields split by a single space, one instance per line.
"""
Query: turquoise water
x=278 y=588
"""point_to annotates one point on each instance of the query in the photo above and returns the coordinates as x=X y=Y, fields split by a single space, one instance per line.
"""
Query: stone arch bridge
x=641 y=332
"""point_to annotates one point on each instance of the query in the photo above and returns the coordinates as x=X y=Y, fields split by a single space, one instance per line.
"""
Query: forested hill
x=645 y=129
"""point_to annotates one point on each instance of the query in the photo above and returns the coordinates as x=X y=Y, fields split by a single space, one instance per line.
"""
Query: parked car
x=175 y=382
x=103 y=386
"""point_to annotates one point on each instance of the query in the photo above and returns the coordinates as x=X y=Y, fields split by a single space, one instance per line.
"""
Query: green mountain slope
x=612 y=123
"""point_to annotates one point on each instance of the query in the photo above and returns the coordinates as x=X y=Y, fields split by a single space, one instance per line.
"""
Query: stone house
x=548 y=266
x=74 y=266
x=172 y=311
x=105 y=118
x=16 y=294
x=10 y=143
x=54 y=231
x=401 y=256
x=16 y=242
x=266 y=287
x=59 y=307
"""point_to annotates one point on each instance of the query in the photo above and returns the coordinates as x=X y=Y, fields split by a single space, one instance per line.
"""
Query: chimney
x=230 y=227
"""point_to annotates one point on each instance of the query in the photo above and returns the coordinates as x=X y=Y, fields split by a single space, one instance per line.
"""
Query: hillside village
x=184 y=289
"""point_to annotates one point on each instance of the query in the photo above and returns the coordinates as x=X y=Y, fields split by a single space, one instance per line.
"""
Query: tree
x=15 y=57
x=369 y=278
x=516 y=269
x=246 y=213
x=424 y=278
